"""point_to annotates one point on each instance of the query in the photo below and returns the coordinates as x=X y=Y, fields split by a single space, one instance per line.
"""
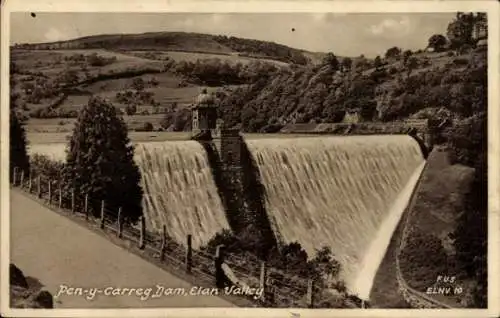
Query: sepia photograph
x=272 y=160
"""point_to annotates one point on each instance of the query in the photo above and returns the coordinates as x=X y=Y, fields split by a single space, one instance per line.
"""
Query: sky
x=345 y=34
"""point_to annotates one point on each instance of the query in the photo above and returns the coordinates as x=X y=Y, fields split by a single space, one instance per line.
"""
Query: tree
x=393 y=52
x=331 y=60
x=437 y=42
x=70 y=77
x=377 y=62
x=460 y=30
x=406 y=56
x=131 y=109
x=411 y=65
x=325 y=263
x=18 y=153
x=147 y=126
x=346 y=64
x=99 y=161
x=138 y=84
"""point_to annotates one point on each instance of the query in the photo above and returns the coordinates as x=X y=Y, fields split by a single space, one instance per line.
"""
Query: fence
x=279 y=288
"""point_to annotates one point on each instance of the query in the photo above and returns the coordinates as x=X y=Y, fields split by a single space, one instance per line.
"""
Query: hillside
x=181 y=41
x=169 y=69
x=441 y=85
x=57 y=83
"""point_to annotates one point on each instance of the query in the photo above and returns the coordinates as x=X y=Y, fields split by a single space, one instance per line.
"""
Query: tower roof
x=204 y=100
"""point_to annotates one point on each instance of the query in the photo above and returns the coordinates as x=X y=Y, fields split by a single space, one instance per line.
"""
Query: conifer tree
x=100 y=161
x=18 y=154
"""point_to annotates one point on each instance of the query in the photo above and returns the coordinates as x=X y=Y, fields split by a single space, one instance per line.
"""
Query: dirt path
x=59 y=252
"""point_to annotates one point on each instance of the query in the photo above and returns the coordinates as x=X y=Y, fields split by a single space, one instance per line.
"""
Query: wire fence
x=279 y=289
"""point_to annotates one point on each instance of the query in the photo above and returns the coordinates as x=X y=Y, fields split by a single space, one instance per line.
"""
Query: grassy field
x=52 y=62
x=179 y=56
x=65 y=125
x=170 y=89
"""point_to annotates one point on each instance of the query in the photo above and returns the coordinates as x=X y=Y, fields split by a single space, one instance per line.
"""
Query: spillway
x=337 y=192
x=180 y=191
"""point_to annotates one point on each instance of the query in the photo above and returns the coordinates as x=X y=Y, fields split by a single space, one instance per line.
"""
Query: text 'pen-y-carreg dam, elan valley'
x=344 y=192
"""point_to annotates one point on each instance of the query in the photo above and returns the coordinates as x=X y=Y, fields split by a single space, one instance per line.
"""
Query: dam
x=346 y=193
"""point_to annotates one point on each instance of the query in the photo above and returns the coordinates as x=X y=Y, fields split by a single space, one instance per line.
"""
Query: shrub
x=460 y=61
x=45 y=166
x=147 y=127
x=49 y=112
x=393 y=70
x=423 y=259
x=138 y=84
x=131 y=110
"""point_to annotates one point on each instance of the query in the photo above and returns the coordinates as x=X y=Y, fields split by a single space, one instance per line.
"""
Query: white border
x=492 y=7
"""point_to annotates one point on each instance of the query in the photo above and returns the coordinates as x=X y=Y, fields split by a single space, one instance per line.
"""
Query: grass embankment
x=428 y=251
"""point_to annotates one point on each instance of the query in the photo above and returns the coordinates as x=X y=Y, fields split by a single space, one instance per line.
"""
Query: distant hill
x=186 y=42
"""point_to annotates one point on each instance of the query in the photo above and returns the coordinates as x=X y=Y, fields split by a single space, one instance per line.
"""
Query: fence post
x=86 y=207
x=102 y=214
x=39 y=184
x=50 y=193
x=120 y=222
x=270 y=291
x=310 y=292
x=30 y=184
x=14 y=173
x=22 y=179
x=163 y=242
x=142 y=238
x=60 y=195
x=72 y=200
x=220 y=277
x=262 y=282
x=189 y=254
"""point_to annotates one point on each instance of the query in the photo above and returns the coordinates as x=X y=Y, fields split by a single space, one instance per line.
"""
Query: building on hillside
x=480 y=30
x=352 y=116
x=480 y=34
x=482 y=43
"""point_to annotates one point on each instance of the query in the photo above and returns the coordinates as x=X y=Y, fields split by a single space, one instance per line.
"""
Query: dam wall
x=335 y=192
x=320 y=191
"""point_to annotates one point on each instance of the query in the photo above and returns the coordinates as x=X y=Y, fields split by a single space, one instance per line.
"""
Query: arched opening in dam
x=347 y=193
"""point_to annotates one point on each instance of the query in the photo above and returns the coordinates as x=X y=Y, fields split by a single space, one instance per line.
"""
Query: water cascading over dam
x=338 y=192
x=179 y=191
x=346 y=193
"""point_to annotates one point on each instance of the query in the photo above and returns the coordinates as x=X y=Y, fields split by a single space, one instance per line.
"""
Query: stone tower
x=204 y=114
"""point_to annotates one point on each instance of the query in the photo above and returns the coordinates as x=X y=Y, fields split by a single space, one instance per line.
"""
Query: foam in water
x=179 y=190
x=335 y=191
x=378 y=247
